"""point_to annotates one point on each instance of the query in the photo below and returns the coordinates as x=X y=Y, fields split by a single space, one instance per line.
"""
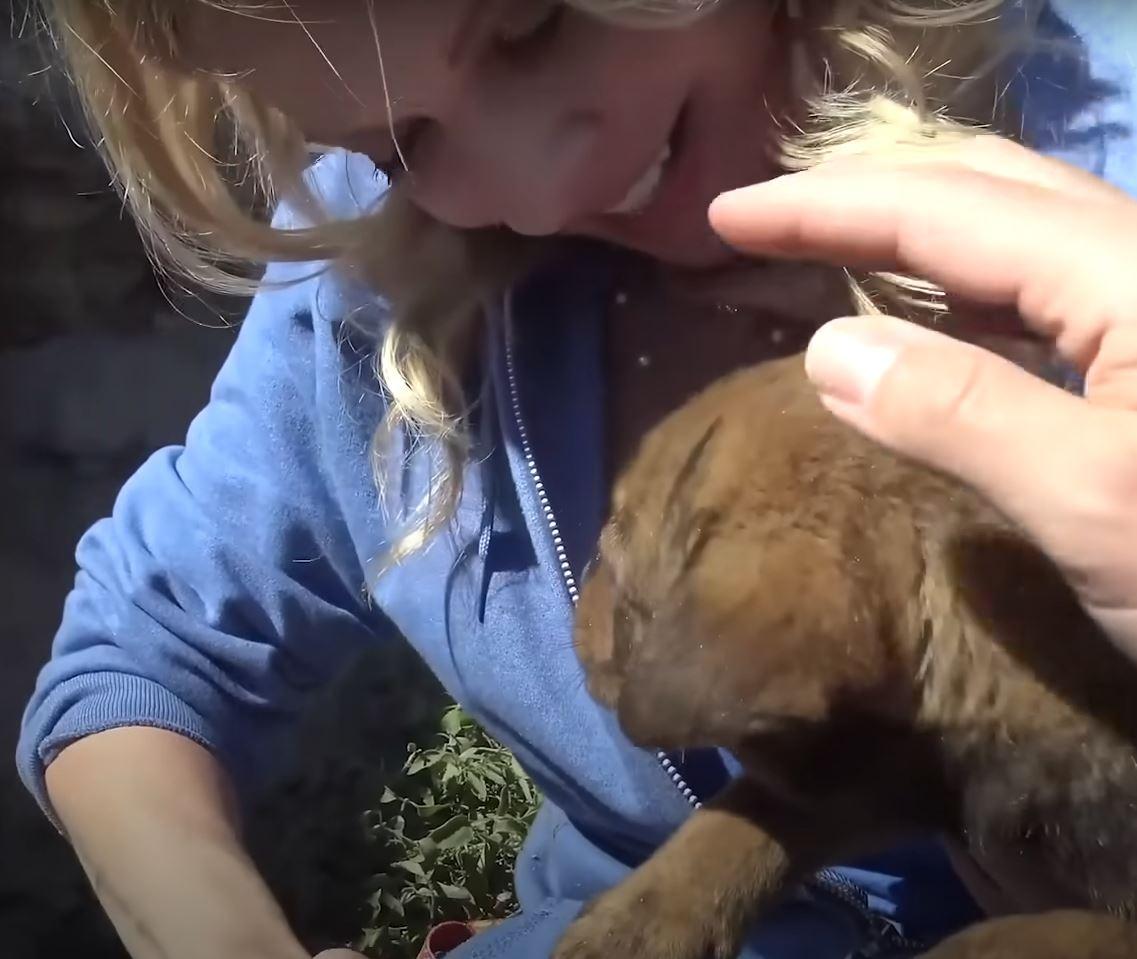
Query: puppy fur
x=885 y=654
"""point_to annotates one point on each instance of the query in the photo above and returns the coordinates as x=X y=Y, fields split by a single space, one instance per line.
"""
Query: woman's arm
x=224 y=589
x=153 y=821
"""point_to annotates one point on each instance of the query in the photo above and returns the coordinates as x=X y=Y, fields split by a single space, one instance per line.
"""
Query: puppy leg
x=1070 y=934
x=696 y=897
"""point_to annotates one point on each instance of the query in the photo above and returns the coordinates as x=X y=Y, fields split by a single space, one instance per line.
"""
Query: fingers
x=1063 y=259
x=981 y=418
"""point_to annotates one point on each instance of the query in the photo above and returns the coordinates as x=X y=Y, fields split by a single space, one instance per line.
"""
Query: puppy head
x=749 y=577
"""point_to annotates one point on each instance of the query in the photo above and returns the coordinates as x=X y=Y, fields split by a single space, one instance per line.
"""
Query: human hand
x=998 y=225
x=340 y=954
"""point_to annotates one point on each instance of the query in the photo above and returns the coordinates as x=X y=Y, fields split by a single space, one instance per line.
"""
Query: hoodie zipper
x=884 y=939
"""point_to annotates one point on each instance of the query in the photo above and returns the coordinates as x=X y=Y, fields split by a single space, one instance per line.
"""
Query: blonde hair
x=200 y=161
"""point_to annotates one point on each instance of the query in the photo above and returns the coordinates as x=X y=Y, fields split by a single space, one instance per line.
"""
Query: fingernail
x=847 y=363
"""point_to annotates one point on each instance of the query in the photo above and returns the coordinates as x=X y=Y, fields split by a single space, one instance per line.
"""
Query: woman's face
x=525 y=113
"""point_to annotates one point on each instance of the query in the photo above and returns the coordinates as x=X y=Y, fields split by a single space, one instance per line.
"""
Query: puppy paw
x=637 y=920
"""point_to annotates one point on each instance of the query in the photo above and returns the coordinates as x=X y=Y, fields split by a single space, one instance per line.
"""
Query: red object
x=445 y=938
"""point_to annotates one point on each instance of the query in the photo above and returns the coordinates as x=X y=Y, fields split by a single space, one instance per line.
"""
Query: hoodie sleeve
x=1078 y=91
x=224 y=586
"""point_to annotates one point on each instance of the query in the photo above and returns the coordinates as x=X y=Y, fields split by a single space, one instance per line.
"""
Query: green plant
x=451 y=830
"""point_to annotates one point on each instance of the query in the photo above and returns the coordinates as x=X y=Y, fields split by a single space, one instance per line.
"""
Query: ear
x=681 y=496
x=687 y=527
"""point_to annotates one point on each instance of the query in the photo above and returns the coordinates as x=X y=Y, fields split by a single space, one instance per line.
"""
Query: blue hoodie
x=229 y=581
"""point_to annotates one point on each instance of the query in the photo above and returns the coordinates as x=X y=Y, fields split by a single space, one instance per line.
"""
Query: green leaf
x=388 y=796
x=444 y=832
x=451 y=772
x=394 y=905
x=456 y=893
x=510 y=826
x=488 y=772
x=422 y=761
x=409 y=865
x=452 y=721
x=457 y=839
x=477 y=784
x=430 y=812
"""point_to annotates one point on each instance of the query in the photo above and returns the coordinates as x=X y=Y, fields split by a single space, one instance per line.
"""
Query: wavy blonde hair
x=201 y=163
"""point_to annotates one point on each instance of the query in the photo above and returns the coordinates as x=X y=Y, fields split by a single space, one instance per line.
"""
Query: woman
x=519 y=357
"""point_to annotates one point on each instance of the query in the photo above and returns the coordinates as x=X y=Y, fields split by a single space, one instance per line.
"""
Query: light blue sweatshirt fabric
x=229 y=581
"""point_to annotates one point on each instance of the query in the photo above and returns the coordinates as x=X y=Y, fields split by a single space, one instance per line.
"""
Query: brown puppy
x=882 y=651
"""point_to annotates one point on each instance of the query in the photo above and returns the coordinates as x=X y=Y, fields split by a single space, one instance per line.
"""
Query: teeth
x=642 y=191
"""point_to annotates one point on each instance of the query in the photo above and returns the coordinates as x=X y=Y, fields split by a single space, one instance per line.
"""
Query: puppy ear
x=681 y=497
x=687 y=526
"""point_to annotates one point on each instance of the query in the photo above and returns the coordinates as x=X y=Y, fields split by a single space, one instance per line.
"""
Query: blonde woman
x=498 y=274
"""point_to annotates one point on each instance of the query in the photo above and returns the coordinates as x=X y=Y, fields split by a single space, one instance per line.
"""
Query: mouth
x=647 y=186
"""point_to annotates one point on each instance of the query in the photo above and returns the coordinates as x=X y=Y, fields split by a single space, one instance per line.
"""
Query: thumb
x=964 y=411
x=340 y=954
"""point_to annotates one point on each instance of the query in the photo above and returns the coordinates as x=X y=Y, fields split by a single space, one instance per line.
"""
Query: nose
x=511 y=160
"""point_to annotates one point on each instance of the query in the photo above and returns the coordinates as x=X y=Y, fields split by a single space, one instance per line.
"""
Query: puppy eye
x=534 y=24
x=590 y=567
x=641 y=611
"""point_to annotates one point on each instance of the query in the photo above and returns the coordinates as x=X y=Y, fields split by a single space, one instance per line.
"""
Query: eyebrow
x=466 y=32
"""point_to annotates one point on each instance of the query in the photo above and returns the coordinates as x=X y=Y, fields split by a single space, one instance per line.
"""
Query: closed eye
x=534 y=25
x=640 y=610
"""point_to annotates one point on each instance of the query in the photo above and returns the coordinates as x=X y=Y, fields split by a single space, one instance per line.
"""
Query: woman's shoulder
x=1076 y=89
x=345 y=185
x=341 y=313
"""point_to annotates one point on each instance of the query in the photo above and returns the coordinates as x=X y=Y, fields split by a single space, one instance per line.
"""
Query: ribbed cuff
x=94 y=703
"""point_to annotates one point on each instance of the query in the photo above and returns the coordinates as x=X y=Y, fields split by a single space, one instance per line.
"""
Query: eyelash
x=533 y=36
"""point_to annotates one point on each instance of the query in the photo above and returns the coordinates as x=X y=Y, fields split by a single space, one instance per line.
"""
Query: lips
x=643 y=191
